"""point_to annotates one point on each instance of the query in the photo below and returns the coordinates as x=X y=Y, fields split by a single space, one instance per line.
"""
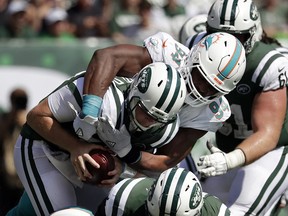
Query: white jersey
x=163 y=48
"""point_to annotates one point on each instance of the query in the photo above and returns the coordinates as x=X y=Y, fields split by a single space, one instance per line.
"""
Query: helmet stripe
x=223 y=12
x=174 y=206
x=232 y=63
x=166 y=191
x=166 y=89
x=231 y=13
x=175 y=93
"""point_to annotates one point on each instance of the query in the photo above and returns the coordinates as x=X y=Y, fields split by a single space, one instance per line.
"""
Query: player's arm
x=122 y=60
x=172 y=153
x=268 y=114
x=41 y=119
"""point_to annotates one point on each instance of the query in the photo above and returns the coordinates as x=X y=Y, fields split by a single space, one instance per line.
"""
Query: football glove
x=117 y=140
x=218 y=162
x=85 y=127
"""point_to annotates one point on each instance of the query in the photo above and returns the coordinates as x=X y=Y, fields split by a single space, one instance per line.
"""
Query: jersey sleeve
x=208 y=118
x=162 y=47
x=63 y=102
x=272 y=71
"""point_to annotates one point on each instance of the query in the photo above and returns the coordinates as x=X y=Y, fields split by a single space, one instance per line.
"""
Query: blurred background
x=43 y=42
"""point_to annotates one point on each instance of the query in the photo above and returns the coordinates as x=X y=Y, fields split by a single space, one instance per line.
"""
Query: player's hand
x=80 y=154
x=114 y=174
x=117 y=140
x=213 y=164
x=84 y=127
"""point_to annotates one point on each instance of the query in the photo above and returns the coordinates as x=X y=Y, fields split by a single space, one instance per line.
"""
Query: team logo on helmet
x=196 y=196
x=144 y=80
x=254 y=15
x=209 y=40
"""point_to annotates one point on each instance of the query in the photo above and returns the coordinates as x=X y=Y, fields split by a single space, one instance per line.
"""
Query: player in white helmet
x=192 y=26
x=175 y=192
x=194 y=121
x=50 y=158
x=257 y=126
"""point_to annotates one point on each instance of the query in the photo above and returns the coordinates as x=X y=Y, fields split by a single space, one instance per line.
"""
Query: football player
x=258 y=124
x=211 y=70
x=48 y=152
x=175 y=192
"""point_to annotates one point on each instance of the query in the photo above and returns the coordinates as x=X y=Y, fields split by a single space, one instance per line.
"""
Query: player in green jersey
x=176 y=192
x=258 y=126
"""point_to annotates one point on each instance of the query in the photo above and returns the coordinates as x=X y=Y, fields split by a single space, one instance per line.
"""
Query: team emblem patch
x=144 y=80
x=196 y=196
x=243 y=89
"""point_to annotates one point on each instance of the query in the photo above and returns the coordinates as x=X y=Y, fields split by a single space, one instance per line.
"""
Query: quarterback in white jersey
x=50 y=158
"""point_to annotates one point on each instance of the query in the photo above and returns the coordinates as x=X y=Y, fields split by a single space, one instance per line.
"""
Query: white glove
x=218 y=162
x=85 y=127
x=117 y=140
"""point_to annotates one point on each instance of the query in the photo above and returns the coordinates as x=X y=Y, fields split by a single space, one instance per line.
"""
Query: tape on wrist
x=235 y=159
x=91 y=105
x=127 y=172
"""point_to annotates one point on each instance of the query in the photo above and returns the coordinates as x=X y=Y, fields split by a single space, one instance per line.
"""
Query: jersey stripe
x=266 y=66
x=118 y=197
x=280 y=182
x=267 y=184
x=76 y=93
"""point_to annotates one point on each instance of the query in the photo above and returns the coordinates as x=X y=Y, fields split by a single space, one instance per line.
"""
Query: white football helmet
x=160 y=91
x=236 y=17
x=73 y=211
x=176 y=192
x=220 y=58
x=192 y=26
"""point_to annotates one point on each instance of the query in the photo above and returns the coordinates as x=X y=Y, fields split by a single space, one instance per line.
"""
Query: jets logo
x=144 y=80
x=254 y=12
x=243 y=89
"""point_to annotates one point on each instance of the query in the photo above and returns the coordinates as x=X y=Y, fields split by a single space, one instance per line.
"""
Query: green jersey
x=128 y=198
x=266 y=69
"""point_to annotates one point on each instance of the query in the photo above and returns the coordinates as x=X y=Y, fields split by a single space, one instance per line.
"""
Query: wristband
x=127 y=172
x=91 y=105
x=235 y=158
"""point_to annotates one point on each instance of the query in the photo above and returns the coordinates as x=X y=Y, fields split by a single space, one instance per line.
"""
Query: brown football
x=106 y=162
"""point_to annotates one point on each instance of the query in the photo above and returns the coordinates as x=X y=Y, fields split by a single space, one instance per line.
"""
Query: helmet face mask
x=237 y=19
x=220 y=59
x=159 y=91
x=176 y=192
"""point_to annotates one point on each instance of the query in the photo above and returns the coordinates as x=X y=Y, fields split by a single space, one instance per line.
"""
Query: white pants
x=48 y=189
x=253 y=189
